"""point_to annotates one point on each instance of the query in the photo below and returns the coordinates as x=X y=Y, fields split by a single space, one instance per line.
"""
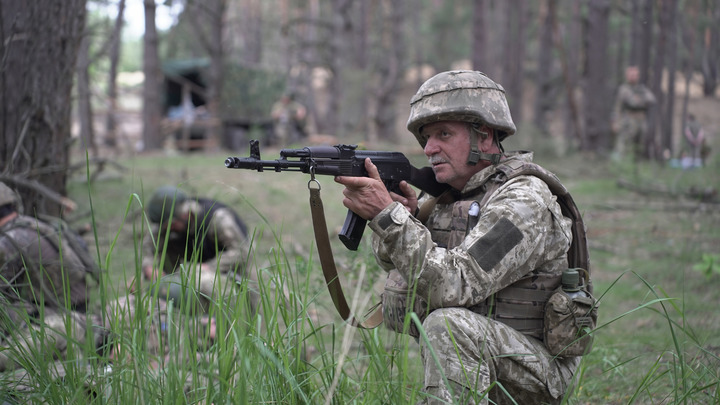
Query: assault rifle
x=344 y=160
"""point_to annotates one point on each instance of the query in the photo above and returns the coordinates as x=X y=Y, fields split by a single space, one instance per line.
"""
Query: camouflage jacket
x=633 y=98
x=215 y=236
x=520 y=238
x=39 y=261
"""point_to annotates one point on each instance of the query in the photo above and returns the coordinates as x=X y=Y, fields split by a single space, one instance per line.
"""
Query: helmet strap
x=475 y=155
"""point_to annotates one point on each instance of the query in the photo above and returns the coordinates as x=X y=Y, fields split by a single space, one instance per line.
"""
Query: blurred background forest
x=128 y=76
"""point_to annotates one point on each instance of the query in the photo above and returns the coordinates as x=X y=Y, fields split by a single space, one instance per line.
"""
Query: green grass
x=658 y=338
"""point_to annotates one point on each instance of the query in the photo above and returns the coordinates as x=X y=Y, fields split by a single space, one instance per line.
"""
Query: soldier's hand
x=365 y=196
x=152 y=273
x=408 y=199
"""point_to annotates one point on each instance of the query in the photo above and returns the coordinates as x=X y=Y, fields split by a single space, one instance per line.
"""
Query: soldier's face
x=447 y=149
x=632 y=75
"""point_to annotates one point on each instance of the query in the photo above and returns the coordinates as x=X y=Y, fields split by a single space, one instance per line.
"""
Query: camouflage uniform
x=520 y=237
x=631 y=109
x=44 y=285
x=215 y=237
x=289 y=121
x=693 y=142
x=473 y=254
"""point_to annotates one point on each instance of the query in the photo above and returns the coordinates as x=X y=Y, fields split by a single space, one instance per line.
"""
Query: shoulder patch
x=489 y=250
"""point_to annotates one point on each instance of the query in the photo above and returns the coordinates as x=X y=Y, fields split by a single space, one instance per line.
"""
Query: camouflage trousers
x=54 y=333
x=468 y=352
x=630 y=137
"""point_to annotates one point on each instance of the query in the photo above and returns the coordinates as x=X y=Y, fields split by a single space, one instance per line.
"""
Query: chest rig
x=522 y=304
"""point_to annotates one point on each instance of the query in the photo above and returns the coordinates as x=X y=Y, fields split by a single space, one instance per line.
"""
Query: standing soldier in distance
x=289 y=118
x=630 y=116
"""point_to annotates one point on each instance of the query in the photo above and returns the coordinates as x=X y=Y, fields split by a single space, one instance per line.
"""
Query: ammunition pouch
x=398 y=299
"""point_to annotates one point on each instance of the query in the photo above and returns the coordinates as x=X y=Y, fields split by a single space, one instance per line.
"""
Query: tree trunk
x=361 y=62
x=39 y=43
x=390 y=71
x=331 y=123
x=152 y=108
x=711 y=54
x=114 y=56
x=687 y=29
x=597 y=107
x=515 y=56
x=215 y=48
x=479 y=36
x=253 y=32
x=653 y=148
x=670 y=25
x=646 y=41
x=636 y=33
x=544 y=99
x=570 y=60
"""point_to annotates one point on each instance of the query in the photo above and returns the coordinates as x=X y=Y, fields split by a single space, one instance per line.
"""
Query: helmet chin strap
x=476 y=156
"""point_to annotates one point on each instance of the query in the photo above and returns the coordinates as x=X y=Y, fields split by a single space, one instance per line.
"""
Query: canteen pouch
x=569 y=323
x=395 y=299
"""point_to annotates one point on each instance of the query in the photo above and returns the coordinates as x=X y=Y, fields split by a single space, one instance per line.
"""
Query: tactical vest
x=522 y=304
x=202 y=240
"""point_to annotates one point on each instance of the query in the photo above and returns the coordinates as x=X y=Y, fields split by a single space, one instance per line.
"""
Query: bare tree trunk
x=208 y=19
x=544 y=99
x=252 y=30
x=479 y=36
x=39 y=43
x=361 y=64
x=670 y=25
x=646 y=41
x=152 y=108
x=652 y=144
x=570 y=61
x=515 y=56
x=84 y=97
x=711 y=54
x=390 y=71
x=336 y=61
x=597 y=107
x=114 y=56
x=636 y=33
x=687 y=29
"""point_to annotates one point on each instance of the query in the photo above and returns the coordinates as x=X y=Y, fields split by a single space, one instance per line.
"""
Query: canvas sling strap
x=327 y=261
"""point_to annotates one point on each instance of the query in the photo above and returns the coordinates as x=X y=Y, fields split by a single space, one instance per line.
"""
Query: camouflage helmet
x=7 y=196
x=161 y=203
x=460 y=95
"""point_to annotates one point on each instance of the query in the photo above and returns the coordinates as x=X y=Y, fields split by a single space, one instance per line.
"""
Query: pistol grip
x=352 y=230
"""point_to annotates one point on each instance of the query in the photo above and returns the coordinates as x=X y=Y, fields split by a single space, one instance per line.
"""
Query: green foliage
x=709 y=264
x=249 y=93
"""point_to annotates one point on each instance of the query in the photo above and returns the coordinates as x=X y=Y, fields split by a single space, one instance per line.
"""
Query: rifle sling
x=327 y=262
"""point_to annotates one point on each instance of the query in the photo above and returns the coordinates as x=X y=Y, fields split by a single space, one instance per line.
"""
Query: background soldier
x=44 y=284
x=207 y=246
x=289 y=120
x=693 y=143
x=485 y=259
x=630 y=115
